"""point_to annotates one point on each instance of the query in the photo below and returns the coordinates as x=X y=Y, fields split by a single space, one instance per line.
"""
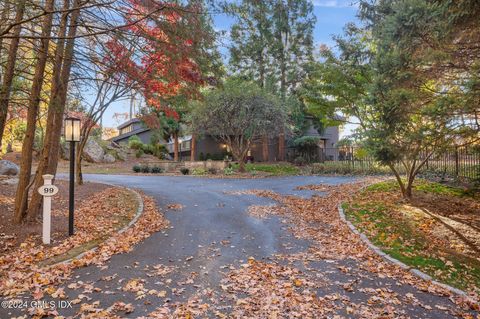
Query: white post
x=47 y=211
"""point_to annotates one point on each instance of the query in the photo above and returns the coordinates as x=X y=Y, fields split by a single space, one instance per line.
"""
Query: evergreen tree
x=272 y=44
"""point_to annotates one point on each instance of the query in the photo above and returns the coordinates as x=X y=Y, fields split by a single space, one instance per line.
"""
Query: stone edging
x=397 y=262
x=138 y=213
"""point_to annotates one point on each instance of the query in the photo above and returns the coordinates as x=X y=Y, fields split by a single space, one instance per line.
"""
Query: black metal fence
x=462 y=162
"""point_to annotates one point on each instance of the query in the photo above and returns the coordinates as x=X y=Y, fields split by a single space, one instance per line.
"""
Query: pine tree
x=272 y=44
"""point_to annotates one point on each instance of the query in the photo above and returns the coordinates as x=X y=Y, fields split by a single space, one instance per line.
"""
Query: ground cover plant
x=437 y=232
x=273 y=169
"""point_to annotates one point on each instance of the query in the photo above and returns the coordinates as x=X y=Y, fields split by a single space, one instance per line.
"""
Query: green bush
x=145 y=169
x=184 y=171
x=135 y=143
x=217 y=157
x=148 y=149
x=347 y=168
x=228 y=170
x=157 y=170
x=307 y=146
x=139 y=153
x=137 y=168
x=201 y=156
x=199 y=171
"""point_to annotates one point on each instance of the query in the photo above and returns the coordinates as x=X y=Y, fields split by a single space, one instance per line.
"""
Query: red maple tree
x=165 y=65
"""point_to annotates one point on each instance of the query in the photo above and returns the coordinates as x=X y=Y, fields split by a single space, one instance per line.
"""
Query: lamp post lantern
x=72 y=135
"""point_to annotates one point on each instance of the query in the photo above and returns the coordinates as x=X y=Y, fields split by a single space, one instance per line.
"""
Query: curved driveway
x=211 y=232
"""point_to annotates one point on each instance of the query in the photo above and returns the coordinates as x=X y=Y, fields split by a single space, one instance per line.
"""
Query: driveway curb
x=138 y=213
x=397 y=262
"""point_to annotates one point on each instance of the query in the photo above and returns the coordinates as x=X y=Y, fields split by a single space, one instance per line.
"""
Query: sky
x=332 y=15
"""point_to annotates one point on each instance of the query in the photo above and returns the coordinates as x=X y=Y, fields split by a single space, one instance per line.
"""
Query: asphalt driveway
x=211 y=232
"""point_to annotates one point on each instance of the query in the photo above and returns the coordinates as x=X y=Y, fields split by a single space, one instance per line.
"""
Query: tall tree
x=33 y=108
x=395 y=76
x=272 y=43
x=62 y=67
x=294 y=22
x=6 y=87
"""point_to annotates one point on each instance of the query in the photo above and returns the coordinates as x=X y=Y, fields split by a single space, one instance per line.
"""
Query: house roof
x=127 y=123
x=127 y=135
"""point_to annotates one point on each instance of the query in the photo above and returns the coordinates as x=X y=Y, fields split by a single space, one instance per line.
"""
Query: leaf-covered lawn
x=437 y=232
x=30 y=267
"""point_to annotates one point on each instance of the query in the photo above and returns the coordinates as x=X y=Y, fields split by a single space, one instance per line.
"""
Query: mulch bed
x=12 y=235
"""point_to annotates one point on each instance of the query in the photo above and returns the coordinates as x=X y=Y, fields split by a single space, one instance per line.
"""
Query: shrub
x=201 y=156
x=135 y=143
x=217 y=157
x=307 y=146
x=299 y=160
x=346 y=168
x=139 y=153
x=157 y=170
x=159 y=150
x=212 y=170
x=228 y=170
x=145 y=169
x=199 y=171
x=137 y=168
x=208 y=156
x=148 y=149
x=184 y=171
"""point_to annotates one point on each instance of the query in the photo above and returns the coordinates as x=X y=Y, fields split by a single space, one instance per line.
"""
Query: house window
x=126 y=129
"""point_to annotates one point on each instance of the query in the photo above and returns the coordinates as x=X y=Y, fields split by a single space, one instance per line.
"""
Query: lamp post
x=72 y=135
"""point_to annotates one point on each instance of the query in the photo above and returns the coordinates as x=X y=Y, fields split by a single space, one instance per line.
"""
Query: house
x=130 y=128
x=328 y=139
x=207 y=147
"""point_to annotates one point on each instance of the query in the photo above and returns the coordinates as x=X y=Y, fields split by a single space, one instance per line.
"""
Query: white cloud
x=335 y=3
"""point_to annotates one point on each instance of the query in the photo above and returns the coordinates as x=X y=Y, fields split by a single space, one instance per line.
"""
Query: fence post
x=456 y=161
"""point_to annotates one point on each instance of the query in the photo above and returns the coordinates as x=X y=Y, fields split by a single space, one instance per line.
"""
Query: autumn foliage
x=162 y=65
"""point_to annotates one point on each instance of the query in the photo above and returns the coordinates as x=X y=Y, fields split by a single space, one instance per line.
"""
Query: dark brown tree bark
x=21 y=196
x=85 y=132
x=193 y=146
x=6 y=88
x=281 y=146
x=265 y=148
x=175 y=147
x=62 y=67
x=5 y=14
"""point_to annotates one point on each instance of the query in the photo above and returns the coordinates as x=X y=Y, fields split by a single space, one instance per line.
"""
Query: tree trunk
x=175 y=147
x=6 y=88
x=239 y=151
x=193 y=145
x=5 y=15
x=265 y=148
x=62 y=67
x=21 y=195
x=78 y=159
x=281 y=146
x=241 y=167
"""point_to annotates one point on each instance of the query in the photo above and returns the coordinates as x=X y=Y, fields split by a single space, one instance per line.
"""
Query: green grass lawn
x=402 y=236
x=280 y=169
